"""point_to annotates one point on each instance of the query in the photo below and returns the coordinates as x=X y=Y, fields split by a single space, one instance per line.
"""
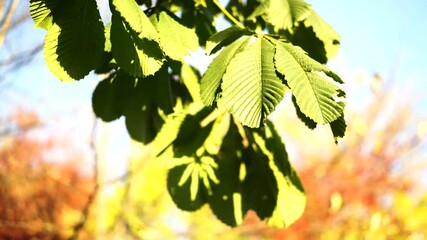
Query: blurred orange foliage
x=36 y=194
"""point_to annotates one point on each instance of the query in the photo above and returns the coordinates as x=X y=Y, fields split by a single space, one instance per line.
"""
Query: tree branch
x=5 y=23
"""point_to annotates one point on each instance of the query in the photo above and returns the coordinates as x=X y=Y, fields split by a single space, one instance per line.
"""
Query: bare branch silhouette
x=6 y=20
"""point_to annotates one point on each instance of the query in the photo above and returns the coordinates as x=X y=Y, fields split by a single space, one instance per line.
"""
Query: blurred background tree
x=42 y=188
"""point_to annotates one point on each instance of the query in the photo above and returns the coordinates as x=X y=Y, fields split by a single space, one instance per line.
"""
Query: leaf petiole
x=226 y=13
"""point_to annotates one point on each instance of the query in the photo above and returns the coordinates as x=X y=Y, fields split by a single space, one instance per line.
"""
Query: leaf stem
x=226 y=13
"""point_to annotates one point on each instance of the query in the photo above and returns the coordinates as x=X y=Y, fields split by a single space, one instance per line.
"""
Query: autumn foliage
x=39 y=198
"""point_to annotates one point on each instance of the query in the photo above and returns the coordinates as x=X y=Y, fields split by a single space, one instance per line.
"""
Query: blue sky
x=386 y=36
x=381 y=36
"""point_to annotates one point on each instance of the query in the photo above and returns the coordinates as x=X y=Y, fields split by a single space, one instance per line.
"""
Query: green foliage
x=176 y=40
x=135 y=17
x=41 y=12
x=224 y=38
x=134 y=52
x=282 y=14
x=251 y=88
x=122 y=95
x=225 y=153
x=75 y=38
x=212 y=78
x=314 y=94
x=210 y=164
x=329 y=39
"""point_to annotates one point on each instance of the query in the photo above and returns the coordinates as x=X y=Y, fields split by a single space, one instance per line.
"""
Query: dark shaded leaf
x=75 y=42
x=112 y=95
x=181 y=194
x=259 y=187
x=224 y=38
x=338 y=128
x=225 y=200
x=306 y=120
x=137 y=56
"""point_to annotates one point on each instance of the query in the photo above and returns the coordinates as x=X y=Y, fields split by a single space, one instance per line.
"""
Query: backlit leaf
x=176 y=40
x=211 y=80
x=191 y=77
x=291 y=199
x=224 y=38
x=75 y=42
x=41 y=12
x=282 y=14
x=314 y=94
x=133 y=98
x=133 y=15
x=138 y=57
x=143 y=120
x=250 y=87
x=186 y=119
x=324 y=32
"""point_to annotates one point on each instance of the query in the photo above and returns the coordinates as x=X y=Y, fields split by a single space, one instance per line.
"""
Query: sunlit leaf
x=133 y=15
x=176 y=40
x=211 y=155
x=250 y=87
x=41 y=12
x=306 y=120
x=211 y=80
x=191 y=77
x=314 y=94
x=282 y=14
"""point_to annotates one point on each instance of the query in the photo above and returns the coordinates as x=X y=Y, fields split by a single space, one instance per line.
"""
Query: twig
x=227 y=14
x=17 y=61
x=23 y=56
x=4 y=26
